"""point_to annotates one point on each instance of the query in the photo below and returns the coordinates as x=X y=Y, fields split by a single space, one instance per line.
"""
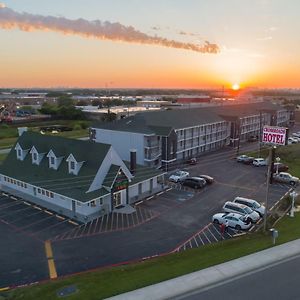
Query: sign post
x=272 y=136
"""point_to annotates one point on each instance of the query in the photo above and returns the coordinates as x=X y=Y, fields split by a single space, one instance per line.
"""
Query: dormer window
x=74 y=165
x=54 y=162
x=21 y=154
x=36 y=156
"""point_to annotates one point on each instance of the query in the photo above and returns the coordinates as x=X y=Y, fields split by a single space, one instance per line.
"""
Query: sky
x=149 y=44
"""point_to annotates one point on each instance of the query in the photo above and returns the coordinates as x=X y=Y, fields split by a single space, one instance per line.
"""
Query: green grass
x=104 y=283
x=2 y=157
x=9 y=133
x=289 y=155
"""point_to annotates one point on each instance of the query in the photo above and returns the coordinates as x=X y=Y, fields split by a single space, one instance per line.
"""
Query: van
x=241 y=209
x=252 y=204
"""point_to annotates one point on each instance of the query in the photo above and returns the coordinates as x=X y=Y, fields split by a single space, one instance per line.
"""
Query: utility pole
x=271 y=155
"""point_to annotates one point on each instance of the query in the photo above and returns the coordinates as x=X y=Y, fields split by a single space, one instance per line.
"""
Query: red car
x=192 y=161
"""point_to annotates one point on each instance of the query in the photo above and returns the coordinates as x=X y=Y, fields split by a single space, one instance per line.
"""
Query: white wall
x=122 y=142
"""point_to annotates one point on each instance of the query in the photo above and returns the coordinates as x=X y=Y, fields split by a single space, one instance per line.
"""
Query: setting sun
x=235 y=87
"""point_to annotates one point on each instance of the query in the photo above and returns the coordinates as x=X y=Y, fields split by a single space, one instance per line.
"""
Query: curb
x=213 y=275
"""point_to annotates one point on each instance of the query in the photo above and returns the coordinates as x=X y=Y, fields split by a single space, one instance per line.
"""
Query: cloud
x=10 y=19
x=2 y=5
x=267 y=38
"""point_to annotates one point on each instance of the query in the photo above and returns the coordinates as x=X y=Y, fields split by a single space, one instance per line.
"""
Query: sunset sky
x=258 y=42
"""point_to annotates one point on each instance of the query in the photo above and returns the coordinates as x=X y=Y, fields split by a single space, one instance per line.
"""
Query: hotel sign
x=274 y=135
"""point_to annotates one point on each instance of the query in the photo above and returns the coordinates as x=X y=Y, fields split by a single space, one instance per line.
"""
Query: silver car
x=242 y=210
x=286 y=178
x=252 y=204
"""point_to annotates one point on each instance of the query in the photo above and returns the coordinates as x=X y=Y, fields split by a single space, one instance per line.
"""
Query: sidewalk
x=206 y=277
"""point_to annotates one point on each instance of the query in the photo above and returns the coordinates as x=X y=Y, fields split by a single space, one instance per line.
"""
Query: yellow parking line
x=72 y=222
x=51 y=263
x=60 y=217
x=48 y=212
x=48 y=249
x=4 y=289
x=52 y=269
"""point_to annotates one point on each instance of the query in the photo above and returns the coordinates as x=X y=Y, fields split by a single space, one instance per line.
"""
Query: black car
x=194 y=182
x=208 y=179
x=248 y=160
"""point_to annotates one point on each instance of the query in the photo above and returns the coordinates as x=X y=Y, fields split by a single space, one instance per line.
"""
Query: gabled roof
x=60 y=180
x=111 y=176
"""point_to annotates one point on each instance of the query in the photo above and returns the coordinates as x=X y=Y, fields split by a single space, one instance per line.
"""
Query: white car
x=236 y=221
x=242 y=158
x=292 y=140
x=179 y=176
x=258 y=162
x=252 y=204
x=232 y=207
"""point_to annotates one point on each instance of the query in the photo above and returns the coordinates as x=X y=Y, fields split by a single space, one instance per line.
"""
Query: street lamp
x=277 y=160
x=293 y=195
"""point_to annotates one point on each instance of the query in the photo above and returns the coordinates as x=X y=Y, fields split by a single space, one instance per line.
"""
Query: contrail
x=10 y=19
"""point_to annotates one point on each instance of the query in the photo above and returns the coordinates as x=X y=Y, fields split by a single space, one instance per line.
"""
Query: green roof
x=58 y=181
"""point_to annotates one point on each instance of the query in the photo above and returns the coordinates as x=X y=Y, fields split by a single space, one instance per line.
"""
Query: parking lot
x=175 y=219
x=32 y=220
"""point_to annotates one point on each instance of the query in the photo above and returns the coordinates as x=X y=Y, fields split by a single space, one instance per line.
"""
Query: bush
x=4 y=126
x=77 y=126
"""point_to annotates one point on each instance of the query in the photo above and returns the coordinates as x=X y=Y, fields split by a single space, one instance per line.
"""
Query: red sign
x=274 y=135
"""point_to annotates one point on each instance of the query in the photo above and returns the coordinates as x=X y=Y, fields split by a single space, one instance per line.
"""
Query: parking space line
x=218 y=232
x=206 y=237
x=14 y=198
x=8 y=205
x=27 y=216
x=50 y=226
x=112 y=221
x=201 y=239
x=14 y=212
x=212 y=234
x=47 y=212
x=73 y=223
x=26 y=203
x=160 y=193
x=191 y=244
x=95 y=228
x=60 y=217
x=196 y=242
x=235 y=186
x=34 y=223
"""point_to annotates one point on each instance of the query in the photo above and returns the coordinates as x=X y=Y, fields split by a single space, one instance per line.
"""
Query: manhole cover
x=66 y=291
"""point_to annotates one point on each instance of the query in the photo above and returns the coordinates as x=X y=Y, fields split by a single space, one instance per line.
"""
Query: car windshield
x=178 y=173
x=248 y=210
x=256 y=205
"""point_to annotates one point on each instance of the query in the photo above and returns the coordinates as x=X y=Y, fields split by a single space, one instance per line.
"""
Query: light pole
x=293 y=195
x=277 y=160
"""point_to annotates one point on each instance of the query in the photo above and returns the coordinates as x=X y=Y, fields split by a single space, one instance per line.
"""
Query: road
x=279 y=281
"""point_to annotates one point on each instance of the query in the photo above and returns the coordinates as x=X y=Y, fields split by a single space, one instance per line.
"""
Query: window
x=47 y=194
x=39 y=191
x=72 y=165
x=52 y=160
x=34 y=156
x=43 y=192
x=19 y=153
x=101 y=201
x=93 y=203
x=51 y=195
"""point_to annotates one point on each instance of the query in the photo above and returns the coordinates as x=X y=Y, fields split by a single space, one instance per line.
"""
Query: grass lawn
x=8 y=135
x=2 y=157
x=289 y=155
x=105 y=283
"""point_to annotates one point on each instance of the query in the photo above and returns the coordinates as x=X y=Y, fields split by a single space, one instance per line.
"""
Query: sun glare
x=235 y=87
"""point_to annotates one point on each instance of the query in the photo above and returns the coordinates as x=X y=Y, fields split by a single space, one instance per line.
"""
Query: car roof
x=237 y=204
x=244 y=199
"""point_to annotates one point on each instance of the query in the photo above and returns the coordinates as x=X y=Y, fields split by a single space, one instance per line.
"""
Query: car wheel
x=216 y=221
x=238 y=227
x=195 y=187
x=292 y=183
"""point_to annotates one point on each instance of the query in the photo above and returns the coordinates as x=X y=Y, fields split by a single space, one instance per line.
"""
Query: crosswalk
x=208 y=235
x=109 y=223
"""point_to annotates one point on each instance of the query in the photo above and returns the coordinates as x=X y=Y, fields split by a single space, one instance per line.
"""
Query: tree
x=65 y=100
